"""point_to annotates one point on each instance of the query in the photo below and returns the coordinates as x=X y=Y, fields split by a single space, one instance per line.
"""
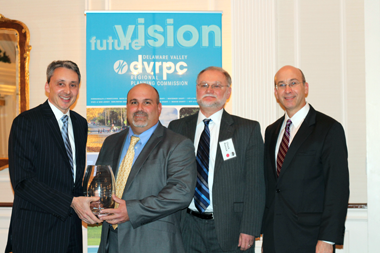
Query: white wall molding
x=253 y=60
x=372 y=67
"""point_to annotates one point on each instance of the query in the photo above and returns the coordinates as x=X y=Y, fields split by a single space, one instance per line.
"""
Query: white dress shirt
x=58 y=115
x=297 y=121
x=214 y=127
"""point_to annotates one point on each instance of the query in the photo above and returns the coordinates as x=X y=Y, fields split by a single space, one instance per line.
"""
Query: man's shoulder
x=321 y=117
x=184 y=120
x=77 y=116
x=32 y=114
x=172 y=136
x=116 y=136
x=241 y=121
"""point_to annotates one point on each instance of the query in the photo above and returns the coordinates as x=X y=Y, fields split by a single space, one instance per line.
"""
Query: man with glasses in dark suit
x=306 y=173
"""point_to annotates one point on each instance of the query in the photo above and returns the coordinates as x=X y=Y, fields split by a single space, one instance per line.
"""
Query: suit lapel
x=272 y=145
x=119 y=146
x=226 y=131
x=191 y=126
x=156 y=138
x=303 y=133
x=77 y=140
x=54 y=131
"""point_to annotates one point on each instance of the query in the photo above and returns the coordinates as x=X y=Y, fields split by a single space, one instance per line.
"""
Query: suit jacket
x=42 y=219
x=160 y=184
x=238 y=190
x=308 y=201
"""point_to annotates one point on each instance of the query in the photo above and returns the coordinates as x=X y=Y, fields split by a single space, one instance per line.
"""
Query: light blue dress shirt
x=144 y=138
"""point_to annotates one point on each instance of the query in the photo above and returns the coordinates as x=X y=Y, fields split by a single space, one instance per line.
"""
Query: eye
x=217 y=86
x=147 y=102
x=293 y=83
x=281 y=85
x=73 y=85
x=133 y=102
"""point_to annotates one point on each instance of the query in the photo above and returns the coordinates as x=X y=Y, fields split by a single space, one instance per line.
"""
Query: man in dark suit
x=306 y=174
x=233 y=194
x=155 y=179
x=46 y=179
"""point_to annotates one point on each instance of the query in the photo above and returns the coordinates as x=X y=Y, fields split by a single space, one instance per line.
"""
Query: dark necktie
x=202 y=194
x=66 y=141
x=284 y=146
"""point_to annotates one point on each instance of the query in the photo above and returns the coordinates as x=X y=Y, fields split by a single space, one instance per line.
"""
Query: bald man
x=306 y=172
x=161 y=181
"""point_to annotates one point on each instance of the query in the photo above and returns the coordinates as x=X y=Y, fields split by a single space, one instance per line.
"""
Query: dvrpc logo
x=120 y=67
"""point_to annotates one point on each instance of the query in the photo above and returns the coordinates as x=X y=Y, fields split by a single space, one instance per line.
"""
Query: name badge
x=228 y=149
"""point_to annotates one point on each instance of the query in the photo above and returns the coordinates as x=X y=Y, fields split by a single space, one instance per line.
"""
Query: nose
x=287 y=88
x=139 y=106
x=67 y=89
x=209 y=89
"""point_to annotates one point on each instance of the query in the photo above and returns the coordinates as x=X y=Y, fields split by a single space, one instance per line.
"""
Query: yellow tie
x=124 y=170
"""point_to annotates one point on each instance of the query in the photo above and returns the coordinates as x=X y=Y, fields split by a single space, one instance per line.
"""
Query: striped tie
x=66 y=141
x=284 y=146
x=202 y=194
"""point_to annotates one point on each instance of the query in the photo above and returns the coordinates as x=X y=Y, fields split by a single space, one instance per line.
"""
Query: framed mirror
x=14 y=78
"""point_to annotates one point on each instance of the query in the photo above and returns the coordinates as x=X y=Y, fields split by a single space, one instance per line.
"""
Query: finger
x=92 y=199
x=117 y=200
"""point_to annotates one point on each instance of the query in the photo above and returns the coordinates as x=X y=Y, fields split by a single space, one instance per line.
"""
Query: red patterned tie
x=283 y=147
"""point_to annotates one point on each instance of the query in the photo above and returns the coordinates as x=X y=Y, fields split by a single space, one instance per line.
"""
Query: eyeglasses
x=215 y=86
x=282 y=86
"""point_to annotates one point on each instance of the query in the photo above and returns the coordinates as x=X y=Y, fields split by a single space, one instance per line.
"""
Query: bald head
x=290 y=89
x=287 y=67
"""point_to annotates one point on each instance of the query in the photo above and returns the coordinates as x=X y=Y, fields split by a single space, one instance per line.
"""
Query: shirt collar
x=58 y=113
x=144 y=136
x=299 y=117
x=215 y=118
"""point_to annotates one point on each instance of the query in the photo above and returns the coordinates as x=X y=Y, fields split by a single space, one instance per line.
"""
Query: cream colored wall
x=57 y=32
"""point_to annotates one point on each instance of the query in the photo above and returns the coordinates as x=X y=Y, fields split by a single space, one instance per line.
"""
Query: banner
x=164 y=49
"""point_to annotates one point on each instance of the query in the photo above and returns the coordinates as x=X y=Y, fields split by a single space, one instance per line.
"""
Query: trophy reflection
x=99 y=181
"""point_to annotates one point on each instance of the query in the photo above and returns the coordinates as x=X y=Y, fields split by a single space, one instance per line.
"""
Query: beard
x=140 y=124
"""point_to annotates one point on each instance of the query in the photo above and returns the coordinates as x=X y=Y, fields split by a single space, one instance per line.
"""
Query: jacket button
x=277 y=190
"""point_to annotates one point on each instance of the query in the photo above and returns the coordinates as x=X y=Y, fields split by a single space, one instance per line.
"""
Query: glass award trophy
x=99 y=181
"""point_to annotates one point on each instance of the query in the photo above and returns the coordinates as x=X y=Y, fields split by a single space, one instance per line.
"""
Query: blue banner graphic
x=164 y=49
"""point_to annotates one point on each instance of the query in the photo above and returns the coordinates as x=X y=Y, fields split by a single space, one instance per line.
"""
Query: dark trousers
x=199 y=236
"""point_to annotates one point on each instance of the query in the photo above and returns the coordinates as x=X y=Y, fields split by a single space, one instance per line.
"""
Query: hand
x=81 y=206
x=115 y=216
x=324 y=247
x=246 y=241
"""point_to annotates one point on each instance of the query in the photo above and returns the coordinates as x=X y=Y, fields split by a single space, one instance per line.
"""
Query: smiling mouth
x=66 y=99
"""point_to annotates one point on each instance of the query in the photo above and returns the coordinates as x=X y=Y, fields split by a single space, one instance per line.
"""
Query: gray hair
x=221 y=70
x=61 y=64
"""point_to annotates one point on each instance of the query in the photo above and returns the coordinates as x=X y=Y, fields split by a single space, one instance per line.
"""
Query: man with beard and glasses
x=155 y=178
x=226 y=212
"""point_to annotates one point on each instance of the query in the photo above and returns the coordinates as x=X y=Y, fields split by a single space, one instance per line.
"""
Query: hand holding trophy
x=99 y=181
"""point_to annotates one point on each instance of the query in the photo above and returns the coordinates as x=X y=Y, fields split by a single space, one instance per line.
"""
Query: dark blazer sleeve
x=336 y=176
x=24 y=156
x=254 y=192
